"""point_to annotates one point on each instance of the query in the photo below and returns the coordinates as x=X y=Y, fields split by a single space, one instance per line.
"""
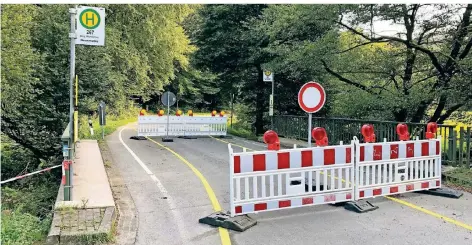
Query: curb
x=126 y=225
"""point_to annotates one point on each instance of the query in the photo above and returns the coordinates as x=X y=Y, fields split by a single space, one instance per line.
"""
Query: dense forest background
x=421 y=70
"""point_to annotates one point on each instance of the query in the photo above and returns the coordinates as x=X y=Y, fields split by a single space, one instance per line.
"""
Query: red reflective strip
x=237 y=164
x=410 y=150
x=410 y=187
x=285 y=203
x=348 y=155
x=66 y=164
x=377 y=152
x=330 y=198
x=394 y=189
x=394 y=151
x=438 y=183
x=283 y=160
x=425 y=149
x=307 y=200
x=307 y=158
x=361 y=194
x=377 y=192
x=260 y=206
x=238 y=209
x=437 y=148
x=348 y=196
x=362 y=153
x=328 y=156
x=63 y=180
x=425 y=185
x=259 y=162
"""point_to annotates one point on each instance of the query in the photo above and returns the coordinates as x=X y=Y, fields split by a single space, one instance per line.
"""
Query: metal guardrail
x=456 y=143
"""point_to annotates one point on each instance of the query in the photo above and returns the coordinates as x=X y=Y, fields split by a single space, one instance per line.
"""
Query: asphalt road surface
x=174 y=184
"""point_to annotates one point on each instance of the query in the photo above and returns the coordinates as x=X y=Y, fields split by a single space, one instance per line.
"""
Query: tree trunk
x=259 y=124
x=401 y=115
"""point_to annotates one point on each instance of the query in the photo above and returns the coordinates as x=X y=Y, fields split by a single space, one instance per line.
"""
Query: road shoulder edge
x=127 y=217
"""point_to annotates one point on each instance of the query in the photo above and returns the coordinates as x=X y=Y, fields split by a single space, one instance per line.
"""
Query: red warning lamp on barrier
x=142 y=112
x=320 y=136
x=213 y=113
x=190 y=113
x=272 y=140
x=402 y=131
x=178 y=113
x=367 y=131
x=160 y=113
x=222 y=113
x=431 y=129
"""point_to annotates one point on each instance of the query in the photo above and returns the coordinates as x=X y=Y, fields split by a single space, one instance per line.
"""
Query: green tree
x=429 y=63
x=227 y=48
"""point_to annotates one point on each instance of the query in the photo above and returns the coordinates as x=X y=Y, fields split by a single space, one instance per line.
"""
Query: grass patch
x=460 y=176
x=23 y=228
x=92 y=239
x=112 y=123
x=244 y=133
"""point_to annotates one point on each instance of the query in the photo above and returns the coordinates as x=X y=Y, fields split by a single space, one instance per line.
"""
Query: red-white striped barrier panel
x=397 y=167
x=399 y=149
x=397 y=189
x=289 y=159
x=272 y=180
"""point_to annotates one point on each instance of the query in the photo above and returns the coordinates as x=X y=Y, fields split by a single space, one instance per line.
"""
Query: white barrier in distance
x=182 y=126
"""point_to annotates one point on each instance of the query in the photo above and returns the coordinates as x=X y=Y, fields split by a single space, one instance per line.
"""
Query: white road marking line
x=173 y=208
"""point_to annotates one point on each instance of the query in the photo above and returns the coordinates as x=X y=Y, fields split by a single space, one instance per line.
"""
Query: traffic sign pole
x=271 y=109
x=166 y=99
x=72 y=36
x=309 y=130
x=168 y=116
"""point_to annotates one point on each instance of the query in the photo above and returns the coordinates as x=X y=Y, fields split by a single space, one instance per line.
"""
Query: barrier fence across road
x=275 y=179
x=155 y=125
x=326 y=175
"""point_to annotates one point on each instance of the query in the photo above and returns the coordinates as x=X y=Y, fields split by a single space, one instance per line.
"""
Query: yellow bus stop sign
x=89 y=19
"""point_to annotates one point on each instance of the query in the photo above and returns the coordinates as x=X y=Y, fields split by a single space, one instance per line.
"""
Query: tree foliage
x=420 y=72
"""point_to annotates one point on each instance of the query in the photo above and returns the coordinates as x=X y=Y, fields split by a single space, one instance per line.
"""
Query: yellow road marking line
x=403 y=202
x=224 y=235
x=224 y=141
x=426 y=211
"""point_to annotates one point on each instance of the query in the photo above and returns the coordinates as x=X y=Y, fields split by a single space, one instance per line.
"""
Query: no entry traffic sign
x=311 y=97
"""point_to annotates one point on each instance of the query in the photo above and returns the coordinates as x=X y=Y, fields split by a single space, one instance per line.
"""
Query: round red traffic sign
x=311 y=97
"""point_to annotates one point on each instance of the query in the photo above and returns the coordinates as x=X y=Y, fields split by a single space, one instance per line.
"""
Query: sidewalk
x=91 y=212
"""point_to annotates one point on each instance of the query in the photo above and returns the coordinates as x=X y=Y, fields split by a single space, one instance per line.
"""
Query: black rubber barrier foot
x=189 y=137
x=237 y=223
x=360 y=206
x=164 y=139
x=138 y=137
x=225 y=137
x=443 y=192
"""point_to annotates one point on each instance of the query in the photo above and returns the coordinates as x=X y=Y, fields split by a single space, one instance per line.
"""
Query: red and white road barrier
x=29 y=174
x=272 y=180
x=388 y=168
x=279 y=179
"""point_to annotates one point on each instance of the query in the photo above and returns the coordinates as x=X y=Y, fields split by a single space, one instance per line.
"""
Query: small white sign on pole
x=268 y=76
x=90 y=26
x=271 y=105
